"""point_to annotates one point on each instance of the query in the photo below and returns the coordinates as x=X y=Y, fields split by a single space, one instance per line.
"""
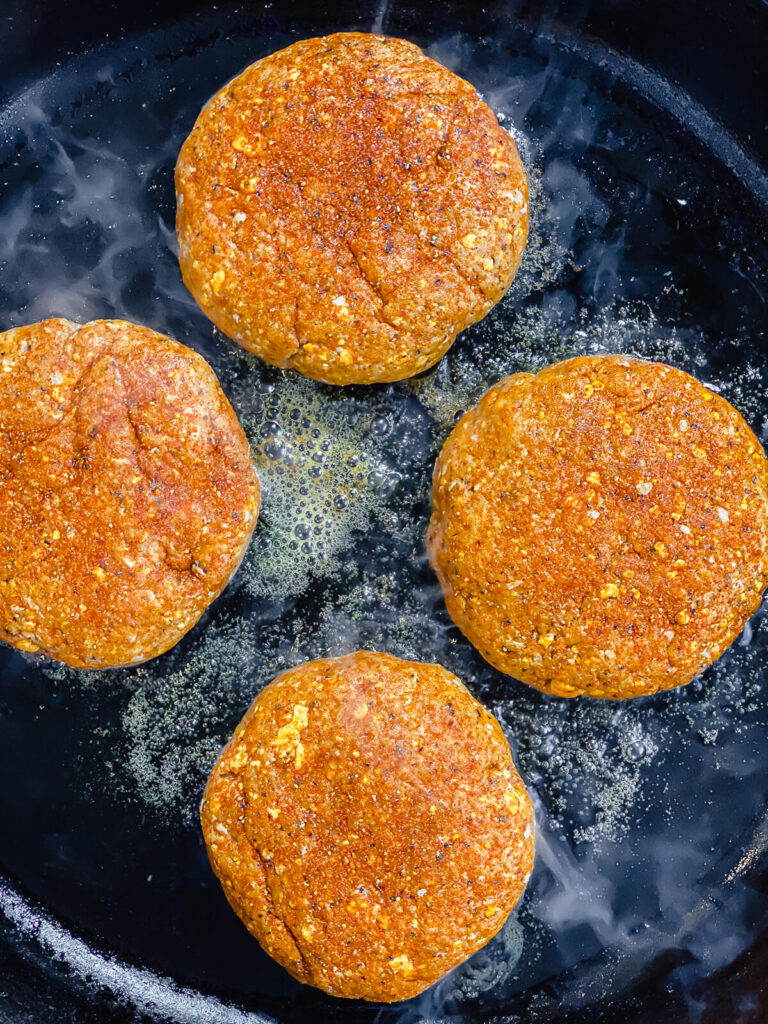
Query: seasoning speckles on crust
x=368 y=825
x=127 y=494
x=601 y=528
x=346 y=206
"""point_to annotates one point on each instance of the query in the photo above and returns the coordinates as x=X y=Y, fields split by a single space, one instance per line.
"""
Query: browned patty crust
x=127 y=495
x=368 y=824
x=601 y=528
x=346 y=206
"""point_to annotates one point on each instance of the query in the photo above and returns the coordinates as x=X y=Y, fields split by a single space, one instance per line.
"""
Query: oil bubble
x=274 y=450
x=380 y=426
x=635 y=751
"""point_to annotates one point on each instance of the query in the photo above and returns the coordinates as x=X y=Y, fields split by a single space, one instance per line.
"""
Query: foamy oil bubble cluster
x=324 y=475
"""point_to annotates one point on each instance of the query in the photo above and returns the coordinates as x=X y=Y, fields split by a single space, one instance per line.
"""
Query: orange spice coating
x=368 y=825
x=127 y=494
x=601 y=528
x=346 y=206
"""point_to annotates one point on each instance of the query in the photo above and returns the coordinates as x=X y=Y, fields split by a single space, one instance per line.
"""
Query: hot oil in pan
x=648 y=811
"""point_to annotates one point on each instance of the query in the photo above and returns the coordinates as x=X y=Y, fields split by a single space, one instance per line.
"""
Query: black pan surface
x=649 y=898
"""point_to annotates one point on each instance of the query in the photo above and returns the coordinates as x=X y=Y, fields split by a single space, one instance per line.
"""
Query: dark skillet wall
x=714 y=50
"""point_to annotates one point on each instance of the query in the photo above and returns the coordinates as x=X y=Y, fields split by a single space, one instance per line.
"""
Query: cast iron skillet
x=642 y=126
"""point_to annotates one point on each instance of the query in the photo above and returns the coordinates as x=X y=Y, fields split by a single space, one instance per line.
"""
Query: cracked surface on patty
x=368 y=825
x=127 y=494
x=601 y=527
x=346 y=206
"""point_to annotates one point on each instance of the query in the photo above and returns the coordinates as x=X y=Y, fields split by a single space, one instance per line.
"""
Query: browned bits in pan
x=601 y=528
x=346 y=206
x=127 y=494
x=368 y=825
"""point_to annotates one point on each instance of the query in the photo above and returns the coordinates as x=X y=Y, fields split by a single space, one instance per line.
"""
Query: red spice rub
x=346 y=206
x=368 y=825
x=601 y=528
x=127 y=494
